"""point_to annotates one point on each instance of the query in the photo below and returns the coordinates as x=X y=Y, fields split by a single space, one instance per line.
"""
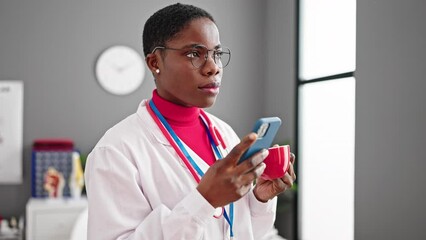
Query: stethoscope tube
x=214 y=136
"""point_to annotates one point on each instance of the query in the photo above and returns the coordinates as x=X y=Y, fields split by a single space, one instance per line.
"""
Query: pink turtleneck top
x=188 y=126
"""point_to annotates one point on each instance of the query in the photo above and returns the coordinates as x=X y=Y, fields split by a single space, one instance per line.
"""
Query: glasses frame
x=205 y=56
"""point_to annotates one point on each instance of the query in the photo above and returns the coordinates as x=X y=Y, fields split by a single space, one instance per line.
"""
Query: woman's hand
x=227 y=181
x=267 y=189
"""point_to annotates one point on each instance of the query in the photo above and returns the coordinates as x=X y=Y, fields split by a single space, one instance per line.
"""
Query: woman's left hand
x=267 y=189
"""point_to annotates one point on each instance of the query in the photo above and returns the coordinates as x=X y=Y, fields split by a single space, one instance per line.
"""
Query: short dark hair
x=167 y=22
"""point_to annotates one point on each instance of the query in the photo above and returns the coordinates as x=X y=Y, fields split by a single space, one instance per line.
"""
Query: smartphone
x=266 y=129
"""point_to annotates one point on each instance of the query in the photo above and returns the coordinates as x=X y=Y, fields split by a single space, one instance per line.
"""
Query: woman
x=165 y=172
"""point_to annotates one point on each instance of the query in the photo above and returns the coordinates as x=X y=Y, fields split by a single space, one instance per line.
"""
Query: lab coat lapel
x=152 y=126
x=159 y=137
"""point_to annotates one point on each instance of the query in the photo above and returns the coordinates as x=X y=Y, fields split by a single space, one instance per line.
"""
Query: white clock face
x=120 y=70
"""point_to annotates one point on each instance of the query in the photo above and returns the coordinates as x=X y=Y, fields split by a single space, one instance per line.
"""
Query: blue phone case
x=266 y=129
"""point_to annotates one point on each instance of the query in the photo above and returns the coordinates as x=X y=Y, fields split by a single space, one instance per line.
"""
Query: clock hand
x=113 y=64
x=125 y=66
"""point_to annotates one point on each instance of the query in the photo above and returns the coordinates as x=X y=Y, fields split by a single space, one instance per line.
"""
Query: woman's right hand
x=227 y=181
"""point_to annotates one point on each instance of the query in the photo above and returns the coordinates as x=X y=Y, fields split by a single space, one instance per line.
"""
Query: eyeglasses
x=199 y=55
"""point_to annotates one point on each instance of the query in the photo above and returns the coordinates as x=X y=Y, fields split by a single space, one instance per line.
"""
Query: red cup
x=277 y=162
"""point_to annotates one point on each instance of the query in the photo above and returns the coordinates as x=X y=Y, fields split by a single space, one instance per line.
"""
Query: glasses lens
x=222 y=57
x=200 y=55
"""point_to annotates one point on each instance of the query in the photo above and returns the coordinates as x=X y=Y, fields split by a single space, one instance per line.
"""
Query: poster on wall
x=11 y=131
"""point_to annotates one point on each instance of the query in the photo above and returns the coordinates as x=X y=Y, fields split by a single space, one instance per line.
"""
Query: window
x=326 y=119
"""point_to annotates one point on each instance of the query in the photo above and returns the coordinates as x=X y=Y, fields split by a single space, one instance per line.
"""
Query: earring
x=157 y=70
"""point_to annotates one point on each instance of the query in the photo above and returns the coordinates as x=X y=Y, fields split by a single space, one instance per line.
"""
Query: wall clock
x=120 y=70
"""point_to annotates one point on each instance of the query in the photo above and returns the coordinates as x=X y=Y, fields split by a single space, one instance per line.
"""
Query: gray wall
x=279 y=92
x=279 y=66
x=52 y=46
x=390 y=124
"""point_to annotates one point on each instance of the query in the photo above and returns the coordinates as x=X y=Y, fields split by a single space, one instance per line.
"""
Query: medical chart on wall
x=11 y=131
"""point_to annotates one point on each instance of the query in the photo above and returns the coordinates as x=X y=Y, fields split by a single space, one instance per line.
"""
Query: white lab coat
x=139 y=188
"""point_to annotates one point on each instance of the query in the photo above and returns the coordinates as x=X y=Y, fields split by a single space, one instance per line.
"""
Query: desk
x=52 y=218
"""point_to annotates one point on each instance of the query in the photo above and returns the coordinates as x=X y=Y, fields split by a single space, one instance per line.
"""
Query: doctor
x=169 y=171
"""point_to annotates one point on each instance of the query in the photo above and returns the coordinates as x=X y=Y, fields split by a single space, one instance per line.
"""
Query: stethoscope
x=216 y=141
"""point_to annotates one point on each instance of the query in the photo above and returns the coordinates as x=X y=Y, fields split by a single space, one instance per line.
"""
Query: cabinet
x=52 y=218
